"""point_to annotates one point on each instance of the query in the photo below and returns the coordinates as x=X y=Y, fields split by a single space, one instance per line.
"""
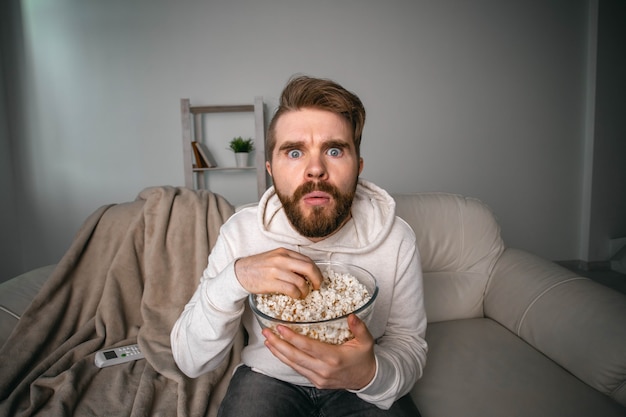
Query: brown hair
x=307 y=92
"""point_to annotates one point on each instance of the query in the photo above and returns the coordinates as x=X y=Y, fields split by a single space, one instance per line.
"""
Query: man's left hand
x=350 y=365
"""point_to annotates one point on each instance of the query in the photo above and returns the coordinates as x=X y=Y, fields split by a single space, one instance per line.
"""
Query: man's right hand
x=280 y=271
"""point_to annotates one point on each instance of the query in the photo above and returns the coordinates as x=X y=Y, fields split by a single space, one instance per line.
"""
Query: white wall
x=484 y=98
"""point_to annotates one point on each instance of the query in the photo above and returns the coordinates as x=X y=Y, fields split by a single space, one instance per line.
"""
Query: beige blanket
x=125 y=279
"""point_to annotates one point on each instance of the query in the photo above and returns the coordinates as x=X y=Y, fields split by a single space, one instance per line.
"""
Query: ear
x=268 y=167
x=360 y=165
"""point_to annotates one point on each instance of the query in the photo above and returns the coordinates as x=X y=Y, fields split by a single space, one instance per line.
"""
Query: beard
x=322 y=221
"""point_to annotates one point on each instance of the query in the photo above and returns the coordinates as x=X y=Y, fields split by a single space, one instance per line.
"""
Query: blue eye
x=294 y=153
x=334 y=152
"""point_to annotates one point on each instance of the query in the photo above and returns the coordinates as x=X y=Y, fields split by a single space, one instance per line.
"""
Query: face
x=315 y=170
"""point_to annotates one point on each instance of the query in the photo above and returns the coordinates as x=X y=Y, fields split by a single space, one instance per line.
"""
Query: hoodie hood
x=373 y=214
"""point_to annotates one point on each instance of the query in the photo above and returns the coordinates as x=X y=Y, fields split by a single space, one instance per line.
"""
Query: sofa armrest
x=15 y=296
x=575 y=321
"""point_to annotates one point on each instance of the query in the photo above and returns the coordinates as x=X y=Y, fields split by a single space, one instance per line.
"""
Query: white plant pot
x=241 y=159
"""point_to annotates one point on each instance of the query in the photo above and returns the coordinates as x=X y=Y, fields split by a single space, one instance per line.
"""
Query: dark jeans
x=251 y=394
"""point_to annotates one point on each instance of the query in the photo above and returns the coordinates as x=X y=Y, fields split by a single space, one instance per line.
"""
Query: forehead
x=309 y=123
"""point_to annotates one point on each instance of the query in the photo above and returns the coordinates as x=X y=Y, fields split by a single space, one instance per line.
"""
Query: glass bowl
x=335 y=330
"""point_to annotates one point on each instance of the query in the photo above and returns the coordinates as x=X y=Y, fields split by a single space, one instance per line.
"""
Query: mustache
x=309 y=187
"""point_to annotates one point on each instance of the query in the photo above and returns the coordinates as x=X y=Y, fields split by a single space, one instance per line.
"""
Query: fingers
x=293 y=350
x=294 y=276
x=300 y=265
x=359 y=329
x=348 y=366
x=290 y=283
x=281 y=271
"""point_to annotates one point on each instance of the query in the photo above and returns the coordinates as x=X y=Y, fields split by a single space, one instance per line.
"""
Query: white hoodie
x=374 y=239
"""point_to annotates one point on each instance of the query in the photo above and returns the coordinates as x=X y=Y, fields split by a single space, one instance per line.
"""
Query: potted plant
x=242 y=147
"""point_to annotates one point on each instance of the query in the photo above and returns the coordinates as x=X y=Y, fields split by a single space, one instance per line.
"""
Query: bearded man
x=317 y=209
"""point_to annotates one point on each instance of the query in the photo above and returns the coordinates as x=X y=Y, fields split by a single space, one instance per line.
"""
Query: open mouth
x=317 y=198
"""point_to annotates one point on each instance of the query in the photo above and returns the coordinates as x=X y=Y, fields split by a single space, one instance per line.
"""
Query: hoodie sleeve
x=203 y=334
x=401 y=351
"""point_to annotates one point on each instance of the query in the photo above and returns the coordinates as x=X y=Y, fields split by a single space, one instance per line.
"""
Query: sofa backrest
x=459 y=243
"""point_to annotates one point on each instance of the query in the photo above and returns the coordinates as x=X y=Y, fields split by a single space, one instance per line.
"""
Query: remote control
x=114 y=356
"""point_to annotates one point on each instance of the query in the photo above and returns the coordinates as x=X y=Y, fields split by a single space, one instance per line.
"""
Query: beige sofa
x=510 y=333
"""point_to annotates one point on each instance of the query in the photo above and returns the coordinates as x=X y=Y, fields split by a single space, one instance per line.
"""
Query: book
x=200 y=162
x=204 y=159
x=206 y=155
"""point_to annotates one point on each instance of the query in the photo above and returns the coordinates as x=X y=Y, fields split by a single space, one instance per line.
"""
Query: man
x=318 y=209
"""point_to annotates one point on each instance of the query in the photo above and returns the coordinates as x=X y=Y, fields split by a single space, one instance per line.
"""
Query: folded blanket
x=125 y=279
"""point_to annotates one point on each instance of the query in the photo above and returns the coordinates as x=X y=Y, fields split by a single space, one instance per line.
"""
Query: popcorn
x=339 y=295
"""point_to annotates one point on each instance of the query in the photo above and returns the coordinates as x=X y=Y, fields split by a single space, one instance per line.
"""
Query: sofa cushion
x=478 y=368
x=459 y=243
x=16 y=294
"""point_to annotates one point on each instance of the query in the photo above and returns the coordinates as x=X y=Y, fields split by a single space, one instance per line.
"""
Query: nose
x=316 y=169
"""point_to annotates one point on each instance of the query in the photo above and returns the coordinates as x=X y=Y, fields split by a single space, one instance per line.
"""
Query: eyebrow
x=291 y=145
x=335 y=143
x=332 y=143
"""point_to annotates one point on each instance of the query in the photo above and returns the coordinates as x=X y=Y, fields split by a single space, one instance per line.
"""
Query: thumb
x=359 y=329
